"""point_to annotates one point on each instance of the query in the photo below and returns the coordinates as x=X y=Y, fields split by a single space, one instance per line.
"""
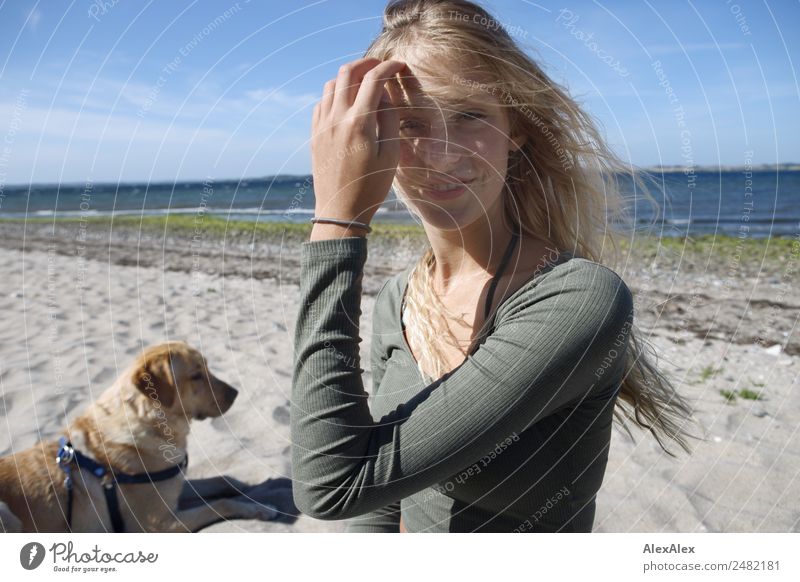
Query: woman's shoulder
x=575 y=285
x=585 y=269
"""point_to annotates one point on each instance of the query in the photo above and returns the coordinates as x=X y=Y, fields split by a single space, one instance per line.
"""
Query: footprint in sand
x=281 y=415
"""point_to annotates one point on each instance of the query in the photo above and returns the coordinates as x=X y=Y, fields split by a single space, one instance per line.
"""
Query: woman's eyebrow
x=450 y=107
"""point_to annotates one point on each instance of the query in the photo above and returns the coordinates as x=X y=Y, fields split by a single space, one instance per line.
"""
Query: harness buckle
x=107 y=480
x=66 y=454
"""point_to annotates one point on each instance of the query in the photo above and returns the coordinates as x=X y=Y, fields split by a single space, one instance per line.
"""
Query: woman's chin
x=449 y=221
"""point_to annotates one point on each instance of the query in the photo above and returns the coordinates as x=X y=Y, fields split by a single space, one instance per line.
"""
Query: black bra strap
x=511 y=244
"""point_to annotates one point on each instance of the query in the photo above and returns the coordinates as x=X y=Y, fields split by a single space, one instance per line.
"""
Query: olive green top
x=515 y=439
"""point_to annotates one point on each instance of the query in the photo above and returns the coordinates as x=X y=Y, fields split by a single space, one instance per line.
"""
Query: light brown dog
x=139 y=425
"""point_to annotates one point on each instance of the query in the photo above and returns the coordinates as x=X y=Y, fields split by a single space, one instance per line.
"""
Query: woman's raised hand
x=355 y=141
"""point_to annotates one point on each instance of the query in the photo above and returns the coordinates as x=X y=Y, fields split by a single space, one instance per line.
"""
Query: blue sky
x=118 y=90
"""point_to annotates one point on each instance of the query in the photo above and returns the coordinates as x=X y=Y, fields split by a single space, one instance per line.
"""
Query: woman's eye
x=410 y=125
x=471 y=115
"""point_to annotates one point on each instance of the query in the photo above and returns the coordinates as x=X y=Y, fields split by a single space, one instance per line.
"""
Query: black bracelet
x=367 y=227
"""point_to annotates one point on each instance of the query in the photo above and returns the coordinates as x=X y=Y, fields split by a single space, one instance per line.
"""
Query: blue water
x=705 y=203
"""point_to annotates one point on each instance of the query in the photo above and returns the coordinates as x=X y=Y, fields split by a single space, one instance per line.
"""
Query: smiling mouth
x=446 y=190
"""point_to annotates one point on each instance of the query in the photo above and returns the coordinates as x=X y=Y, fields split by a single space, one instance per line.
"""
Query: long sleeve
x=551 y=347
x=385 y=519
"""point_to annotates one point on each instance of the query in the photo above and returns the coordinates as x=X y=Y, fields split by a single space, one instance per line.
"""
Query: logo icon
x=31 y=555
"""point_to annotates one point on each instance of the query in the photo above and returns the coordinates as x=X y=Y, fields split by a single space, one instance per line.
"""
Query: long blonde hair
x=562 y=185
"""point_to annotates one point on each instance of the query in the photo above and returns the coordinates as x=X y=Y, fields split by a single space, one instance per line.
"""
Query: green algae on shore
x=774 y=252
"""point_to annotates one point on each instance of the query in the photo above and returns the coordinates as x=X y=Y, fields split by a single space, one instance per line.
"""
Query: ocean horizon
x=748 y=203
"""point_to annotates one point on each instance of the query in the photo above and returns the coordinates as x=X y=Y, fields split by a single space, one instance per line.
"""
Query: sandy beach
x=79 y=304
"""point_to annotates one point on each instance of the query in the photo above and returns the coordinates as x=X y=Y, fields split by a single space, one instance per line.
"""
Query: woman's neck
x=471 y=255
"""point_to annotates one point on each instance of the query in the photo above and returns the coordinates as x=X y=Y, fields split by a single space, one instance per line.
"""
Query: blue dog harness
x=67 y=455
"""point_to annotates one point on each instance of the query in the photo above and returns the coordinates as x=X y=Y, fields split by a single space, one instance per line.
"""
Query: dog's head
x=176 y=378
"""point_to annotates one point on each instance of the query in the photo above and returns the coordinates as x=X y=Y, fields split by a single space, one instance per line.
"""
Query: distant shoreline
x=308 y=178
x=707 y=169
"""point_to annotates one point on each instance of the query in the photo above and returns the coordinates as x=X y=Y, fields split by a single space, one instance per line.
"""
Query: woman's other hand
x=355 y=141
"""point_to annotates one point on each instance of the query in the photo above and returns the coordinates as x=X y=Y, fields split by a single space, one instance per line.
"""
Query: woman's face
x=453 y=157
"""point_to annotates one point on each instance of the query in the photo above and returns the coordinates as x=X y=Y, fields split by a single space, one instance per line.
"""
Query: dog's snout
x=230 y=393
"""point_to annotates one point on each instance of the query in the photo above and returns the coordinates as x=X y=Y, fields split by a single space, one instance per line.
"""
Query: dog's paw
x=241 y=509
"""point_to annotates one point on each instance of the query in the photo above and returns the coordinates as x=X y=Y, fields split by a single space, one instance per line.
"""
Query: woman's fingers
x=395 y=92
x=315 y=115
x=372 y=86
x=327 y=97
x=348 y=80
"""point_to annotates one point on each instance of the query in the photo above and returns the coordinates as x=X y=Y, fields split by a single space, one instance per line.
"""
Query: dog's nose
x=230 y=393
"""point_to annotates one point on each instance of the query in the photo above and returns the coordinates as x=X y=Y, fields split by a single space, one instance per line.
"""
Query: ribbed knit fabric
x=515 y=439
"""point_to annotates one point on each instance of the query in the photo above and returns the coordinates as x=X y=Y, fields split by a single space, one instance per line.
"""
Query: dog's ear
x=153 y=377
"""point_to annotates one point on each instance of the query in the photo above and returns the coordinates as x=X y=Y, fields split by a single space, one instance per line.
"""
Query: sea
x=745 y=204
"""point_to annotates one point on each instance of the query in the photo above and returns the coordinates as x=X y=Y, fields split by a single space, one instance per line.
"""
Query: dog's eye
x=198 y=376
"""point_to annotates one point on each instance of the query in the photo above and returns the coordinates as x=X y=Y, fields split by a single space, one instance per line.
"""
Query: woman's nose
x=440 y=150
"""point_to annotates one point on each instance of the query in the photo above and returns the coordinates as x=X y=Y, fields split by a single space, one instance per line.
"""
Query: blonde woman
x=501 y=356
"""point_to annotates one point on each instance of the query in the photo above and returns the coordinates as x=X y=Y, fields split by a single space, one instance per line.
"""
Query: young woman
x=499 y=357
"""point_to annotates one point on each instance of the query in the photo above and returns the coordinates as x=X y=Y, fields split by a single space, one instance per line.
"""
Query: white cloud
x=281 y=97
x=34 y=17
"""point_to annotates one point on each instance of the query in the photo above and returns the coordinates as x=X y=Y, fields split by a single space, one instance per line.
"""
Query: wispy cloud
x=281 y=97
x=34 y=17
x=175 y=100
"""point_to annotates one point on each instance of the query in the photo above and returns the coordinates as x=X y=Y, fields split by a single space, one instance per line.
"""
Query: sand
x=75 y=315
